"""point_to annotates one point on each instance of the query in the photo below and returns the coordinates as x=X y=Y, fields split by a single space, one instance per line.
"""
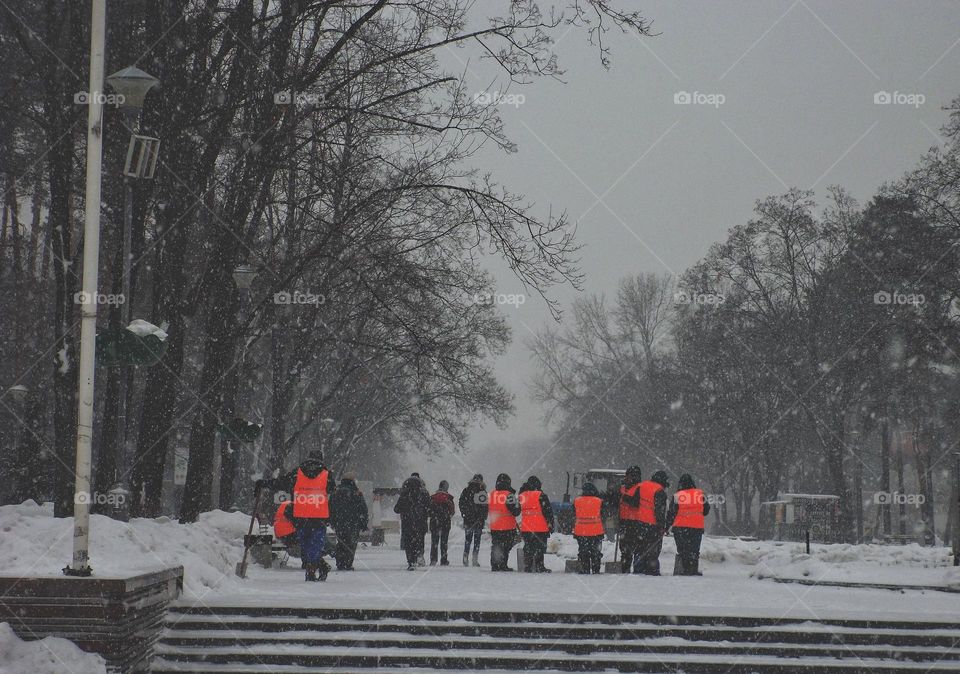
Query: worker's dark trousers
x=651 y=543
x=590 y=553
x=630 y=546
x=534 y=547
x=688 y=550
x=501 y=544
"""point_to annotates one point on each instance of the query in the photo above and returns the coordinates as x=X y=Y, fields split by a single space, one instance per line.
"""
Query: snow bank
x=50 y=655
x=38 y=544
x=893 y=564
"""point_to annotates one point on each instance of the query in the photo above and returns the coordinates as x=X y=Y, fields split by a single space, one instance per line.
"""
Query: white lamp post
x=80 y=565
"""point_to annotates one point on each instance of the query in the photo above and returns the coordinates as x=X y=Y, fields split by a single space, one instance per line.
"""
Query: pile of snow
x=51 y=655
x=38 y=544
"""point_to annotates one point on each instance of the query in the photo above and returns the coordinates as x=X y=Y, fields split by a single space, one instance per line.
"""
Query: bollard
x=808 y=541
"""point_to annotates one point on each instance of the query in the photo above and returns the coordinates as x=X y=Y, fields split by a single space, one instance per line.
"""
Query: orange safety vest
x=588 y=522
x=500 y=518
x=648 y=489
x=628 y=512
x=531 y=514
x=310 y=498
x=689 y=508
x=281 y=525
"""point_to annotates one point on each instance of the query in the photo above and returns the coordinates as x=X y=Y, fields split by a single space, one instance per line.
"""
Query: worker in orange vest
x=283 y=528
x=688 y=511
x=536 y=524
x=588 y=529
x=310 y=485
x=503 y=508
x=630 y=520
x=653 y=521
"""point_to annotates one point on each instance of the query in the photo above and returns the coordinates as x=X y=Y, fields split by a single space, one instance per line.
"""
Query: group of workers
x=645 y=513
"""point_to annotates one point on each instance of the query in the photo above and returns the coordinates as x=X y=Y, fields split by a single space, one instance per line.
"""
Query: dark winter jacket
x=473 y=505
x=311 y=467
x=441 y=509
x=348 y=508
x=413 y=506
x=503 y=484
x=534 y=484
x=685 y=482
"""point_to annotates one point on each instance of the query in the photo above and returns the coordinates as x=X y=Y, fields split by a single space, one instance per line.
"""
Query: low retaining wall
x=118 y=618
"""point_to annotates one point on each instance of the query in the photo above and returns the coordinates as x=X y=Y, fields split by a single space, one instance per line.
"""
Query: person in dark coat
x=687 y=510
x=535 y=542
x=651 y=535
x=442 y=510
x=473 y=508
x=349 y=516
x=629 y=502
x=413 y=506
x=502 y=540
x=310 y=510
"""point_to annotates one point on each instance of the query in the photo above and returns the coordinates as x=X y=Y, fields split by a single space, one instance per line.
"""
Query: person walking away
x=349 y=516
x=413 y=506
x=473 y=508
x=310 y=485
x=588 y=529
x=536 y=524
x=653 y=521
x=441 y=512
x=630 y=521
x=504 y=508
x=687 y=515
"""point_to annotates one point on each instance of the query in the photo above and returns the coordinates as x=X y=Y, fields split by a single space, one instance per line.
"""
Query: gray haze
x=653 y=184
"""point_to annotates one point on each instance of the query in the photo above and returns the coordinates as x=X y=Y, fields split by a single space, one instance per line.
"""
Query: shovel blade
x=242 y=569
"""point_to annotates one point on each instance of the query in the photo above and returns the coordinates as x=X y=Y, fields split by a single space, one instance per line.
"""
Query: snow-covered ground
x=736 y=573
x=45 y=656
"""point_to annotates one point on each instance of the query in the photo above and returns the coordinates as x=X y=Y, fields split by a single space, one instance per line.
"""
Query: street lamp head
x=133 y=84
x=19 y=393
x=244 y=275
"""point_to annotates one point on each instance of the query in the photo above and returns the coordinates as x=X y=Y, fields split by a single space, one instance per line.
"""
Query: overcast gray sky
x=652 y=183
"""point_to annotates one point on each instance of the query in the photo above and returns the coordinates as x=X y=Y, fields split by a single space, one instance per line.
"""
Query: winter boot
x=466 y=559
x=323 y=570
x=476 y=558
x=411 y=567
x=444 y=562
x=311 y=575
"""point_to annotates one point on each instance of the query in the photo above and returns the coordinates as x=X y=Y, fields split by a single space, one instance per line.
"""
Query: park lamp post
x=132 y=85
x=243 y=276
x=80 y=564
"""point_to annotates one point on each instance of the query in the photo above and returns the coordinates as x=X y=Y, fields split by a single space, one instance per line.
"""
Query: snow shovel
x=241 y=570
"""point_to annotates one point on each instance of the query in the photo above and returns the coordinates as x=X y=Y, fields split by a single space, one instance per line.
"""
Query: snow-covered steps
x=258 y=639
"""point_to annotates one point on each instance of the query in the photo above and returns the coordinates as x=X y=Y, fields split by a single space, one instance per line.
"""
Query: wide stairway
x=267 y=639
